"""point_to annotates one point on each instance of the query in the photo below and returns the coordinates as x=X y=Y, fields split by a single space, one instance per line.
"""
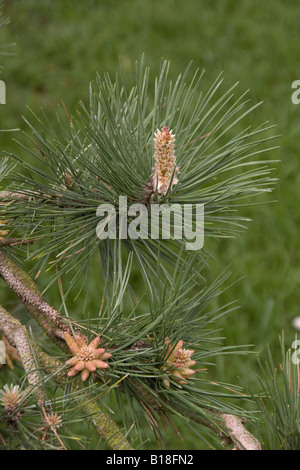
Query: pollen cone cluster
x=10 y=396
x=165 y=169
x=178 y=363
x=87 y=358
x=10 y=399
x=53 y=420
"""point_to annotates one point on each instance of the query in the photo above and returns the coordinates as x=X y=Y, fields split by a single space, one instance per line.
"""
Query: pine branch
x=52 y=367
x=11 y=195
x=105 y=426
x=238 y=434
x=15 y=242
x=16 y=334
x=46 y=316
x=234 y=433
x=231 y=430
x=102 y=422
x=106 y=151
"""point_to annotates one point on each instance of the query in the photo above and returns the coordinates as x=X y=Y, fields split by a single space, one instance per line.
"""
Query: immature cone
x=178 y=363
x=53 y=420
x=10 y=399
x=165 y=169
x=87 y=358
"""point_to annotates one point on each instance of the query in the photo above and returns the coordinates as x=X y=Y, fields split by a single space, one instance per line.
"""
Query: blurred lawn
x=60 y=45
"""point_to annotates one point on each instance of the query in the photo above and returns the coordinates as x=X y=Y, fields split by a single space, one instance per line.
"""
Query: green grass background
x=61 y=44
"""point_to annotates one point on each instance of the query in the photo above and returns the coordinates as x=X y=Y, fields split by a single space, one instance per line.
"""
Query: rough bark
x=17 y=335
x=46 y=316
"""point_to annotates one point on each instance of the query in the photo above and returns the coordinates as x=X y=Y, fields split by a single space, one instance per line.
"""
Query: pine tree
x=124 y=376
